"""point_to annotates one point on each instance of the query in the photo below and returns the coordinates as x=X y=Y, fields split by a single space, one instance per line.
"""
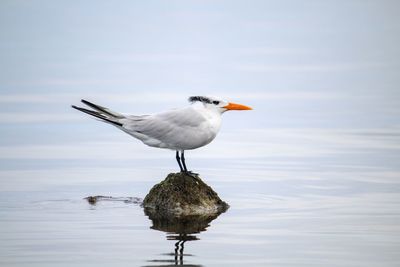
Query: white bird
x=178 y=129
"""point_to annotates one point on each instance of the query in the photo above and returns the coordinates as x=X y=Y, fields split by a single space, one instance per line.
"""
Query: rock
x=92 y=199
x=180 y=226
x=184 y=194
x=130 y=200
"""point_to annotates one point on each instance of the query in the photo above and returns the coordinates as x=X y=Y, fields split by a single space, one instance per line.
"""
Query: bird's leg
x=178 y=159
x=177 y=251
x=190 y=173
x=183 y=160
x=181 y=251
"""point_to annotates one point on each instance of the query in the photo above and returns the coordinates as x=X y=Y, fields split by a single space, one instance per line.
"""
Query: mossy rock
x=182 y=225
x=184 y=194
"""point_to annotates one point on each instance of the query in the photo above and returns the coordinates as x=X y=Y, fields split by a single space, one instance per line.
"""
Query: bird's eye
x=216 y=102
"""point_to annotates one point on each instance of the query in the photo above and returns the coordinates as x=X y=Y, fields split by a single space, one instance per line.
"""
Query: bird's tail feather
x=103 y=114
x=103 y=110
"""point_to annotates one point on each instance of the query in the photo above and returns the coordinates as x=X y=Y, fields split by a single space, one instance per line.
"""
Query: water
x=330 y=200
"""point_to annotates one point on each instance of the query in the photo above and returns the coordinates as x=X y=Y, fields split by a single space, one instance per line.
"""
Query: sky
x=313 y=64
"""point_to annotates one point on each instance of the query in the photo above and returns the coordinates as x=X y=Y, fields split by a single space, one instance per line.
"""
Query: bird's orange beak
x=233 y=106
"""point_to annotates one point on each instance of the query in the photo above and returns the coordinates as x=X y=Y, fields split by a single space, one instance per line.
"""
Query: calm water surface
x=298 y=197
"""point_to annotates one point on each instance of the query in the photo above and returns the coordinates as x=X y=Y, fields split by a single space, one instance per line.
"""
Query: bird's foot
x=190 y=173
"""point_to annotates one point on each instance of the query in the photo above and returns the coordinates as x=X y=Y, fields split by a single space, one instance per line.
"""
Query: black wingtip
x=75 y=107
x=90 y=104
x=81 y=109
x=97 y=115
x=101 y=109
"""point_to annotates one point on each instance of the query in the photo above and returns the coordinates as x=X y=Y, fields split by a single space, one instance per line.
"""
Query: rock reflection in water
x=180 y=229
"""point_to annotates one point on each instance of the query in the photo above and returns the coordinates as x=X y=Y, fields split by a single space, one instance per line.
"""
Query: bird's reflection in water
x=180 y=229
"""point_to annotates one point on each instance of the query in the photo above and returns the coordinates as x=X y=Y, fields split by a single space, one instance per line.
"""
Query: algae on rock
x=184 y=194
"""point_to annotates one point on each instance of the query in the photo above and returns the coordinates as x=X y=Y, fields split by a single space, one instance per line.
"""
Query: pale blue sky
x=299 y=63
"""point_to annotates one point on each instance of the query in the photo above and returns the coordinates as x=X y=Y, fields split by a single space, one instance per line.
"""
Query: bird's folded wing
x=165 y=125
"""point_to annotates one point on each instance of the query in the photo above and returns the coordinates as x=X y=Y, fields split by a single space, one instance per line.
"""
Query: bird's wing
x=158 y=125
x=169 y=127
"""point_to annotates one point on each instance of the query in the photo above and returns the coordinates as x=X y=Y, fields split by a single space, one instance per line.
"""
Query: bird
x=177 y=129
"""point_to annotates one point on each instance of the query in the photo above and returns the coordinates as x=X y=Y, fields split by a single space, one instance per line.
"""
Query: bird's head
x=217 y=104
